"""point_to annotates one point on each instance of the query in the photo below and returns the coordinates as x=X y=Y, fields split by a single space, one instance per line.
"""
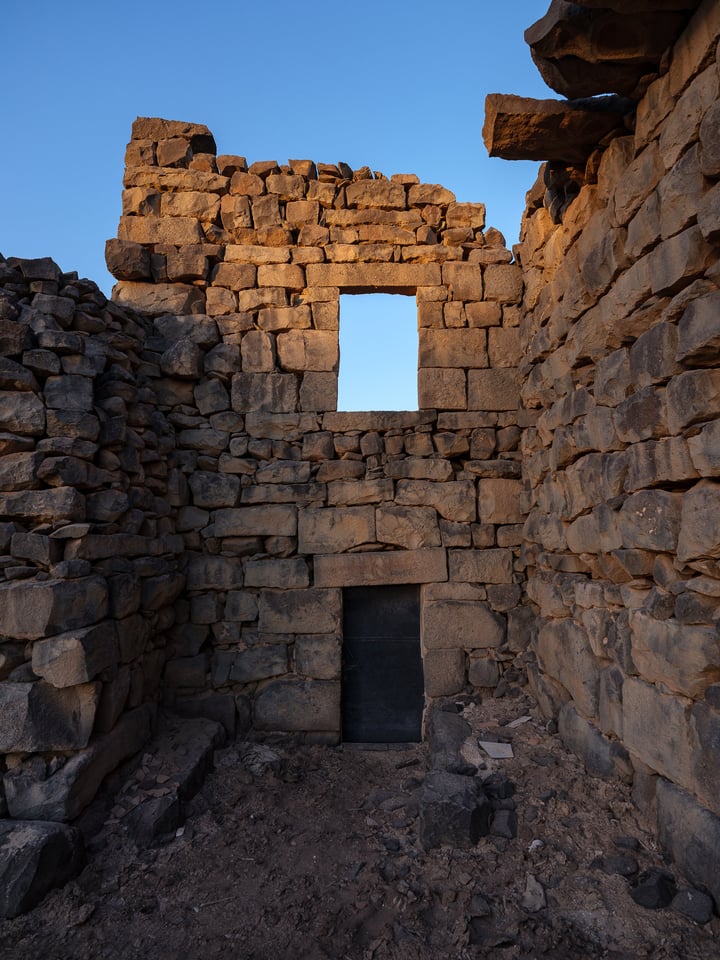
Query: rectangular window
x=378 y=352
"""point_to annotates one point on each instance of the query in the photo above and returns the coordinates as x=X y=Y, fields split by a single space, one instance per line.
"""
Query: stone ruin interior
x=190 y=523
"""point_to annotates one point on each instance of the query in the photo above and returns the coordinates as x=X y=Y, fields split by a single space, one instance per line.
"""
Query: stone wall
x=282 y=500
x=620 y=335
x=89 y=561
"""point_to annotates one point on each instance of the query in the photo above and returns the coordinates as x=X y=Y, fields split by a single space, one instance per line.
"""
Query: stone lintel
x=363 y=277
x=378 y=569
x=377 y=420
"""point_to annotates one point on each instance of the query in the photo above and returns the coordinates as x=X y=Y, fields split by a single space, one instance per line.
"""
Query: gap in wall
x=383 y=691
x=378 y=352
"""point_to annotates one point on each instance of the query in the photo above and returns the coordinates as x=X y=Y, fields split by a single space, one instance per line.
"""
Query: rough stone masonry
x=183 y=504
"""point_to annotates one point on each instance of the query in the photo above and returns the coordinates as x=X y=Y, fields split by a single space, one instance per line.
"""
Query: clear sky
x=399 y=86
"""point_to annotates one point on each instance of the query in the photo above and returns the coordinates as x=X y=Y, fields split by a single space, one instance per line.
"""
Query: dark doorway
x=382 y=675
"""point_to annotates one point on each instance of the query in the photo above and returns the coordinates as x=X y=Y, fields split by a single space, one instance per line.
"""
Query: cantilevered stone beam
x=582 y=51
x=519 y=128
x=641 y=6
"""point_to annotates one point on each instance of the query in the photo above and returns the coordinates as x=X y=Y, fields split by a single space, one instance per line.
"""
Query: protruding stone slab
x=30 y=609
x=41 y=791
x=39 y=718
x=35 y=858
x=519 y=128
x=377 y=569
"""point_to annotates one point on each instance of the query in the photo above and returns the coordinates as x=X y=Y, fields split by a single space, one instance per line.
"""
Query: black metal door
x=382 y=676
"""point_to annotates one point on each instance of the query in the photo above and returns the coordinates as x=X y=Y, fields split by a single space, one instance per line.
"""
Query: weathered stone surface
x=442 y=389
x=298 y=705
x=300 y=611
x=650 y=520
x=157 y=299
x=376 y=569
x=35 y=858
x=585 y=52
x=76 y=656
x=518 y=128
x=212 y=490
x=454 y=500
x=41 y=792
x=699 y=527
x=264 y=392
x=481 y=566
x=38 y=717
x=319 y=656
x=268 y=520
x=365 y=277
x=564 y=652
x=22 y=412
x=335 y=530
x=453 y=810
x=444 y=672
x=645 y=711
x=453 y=348
x=410 y=527
x=31 y=609
x=690 y=835
x=602 y=757
x=277 y=573
x=493 y=389
x=259 y=663
x=127 y=260
x=213 y=573
x=458 y=624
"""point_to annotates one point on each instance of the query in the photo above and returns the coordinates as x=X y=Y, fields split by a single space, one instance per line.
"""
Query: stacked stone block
x=89 y=561
x=282 y=500
x=620 y=336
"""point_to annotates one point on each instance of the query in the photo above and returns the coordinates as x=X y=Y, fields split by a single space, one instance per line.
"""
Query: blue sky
x=398 y=86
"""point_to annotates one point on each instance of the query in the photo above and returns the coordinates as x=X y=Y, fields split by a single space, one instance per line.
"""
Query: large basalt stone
x=38 y=717
x=308 y=706
x=519 y=128
x=454 y=810
x=602 y=757
x=563 y=651
x=381 y=568
x=36 y=789
x=582 y=52
x=458 y=624
x=690 y=835
x=35 y=858
x=76 y=656
x=699 y=535
x=300 y=611
x=30 y=609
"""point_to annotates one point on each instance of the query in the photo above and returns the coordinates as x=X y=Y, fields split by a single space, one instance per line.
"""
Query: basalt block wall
x=620 y=333
x=281 y=499
x=184 y=504
x=91 y=566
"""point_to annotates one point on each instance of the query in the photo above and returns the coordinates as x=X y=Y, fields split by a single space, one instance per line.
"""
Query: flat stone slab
x=520 y=128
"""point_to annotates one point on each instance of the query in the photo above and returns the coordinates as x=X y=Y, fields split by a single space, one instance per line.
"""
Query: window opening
x=378 y=352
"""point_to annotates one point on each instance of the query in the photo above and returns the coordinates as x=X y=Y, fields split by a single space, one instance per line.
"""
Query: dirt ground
x=312 y=853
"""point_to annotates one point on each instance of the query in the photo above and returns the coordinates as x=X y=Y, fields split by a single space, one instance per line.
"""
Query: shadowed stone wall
x=89 y=559
x=620 y=335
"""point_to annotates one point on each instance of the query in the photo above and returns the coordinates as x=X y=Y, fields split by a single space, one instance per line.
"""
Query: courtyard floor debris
x=312 y=853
